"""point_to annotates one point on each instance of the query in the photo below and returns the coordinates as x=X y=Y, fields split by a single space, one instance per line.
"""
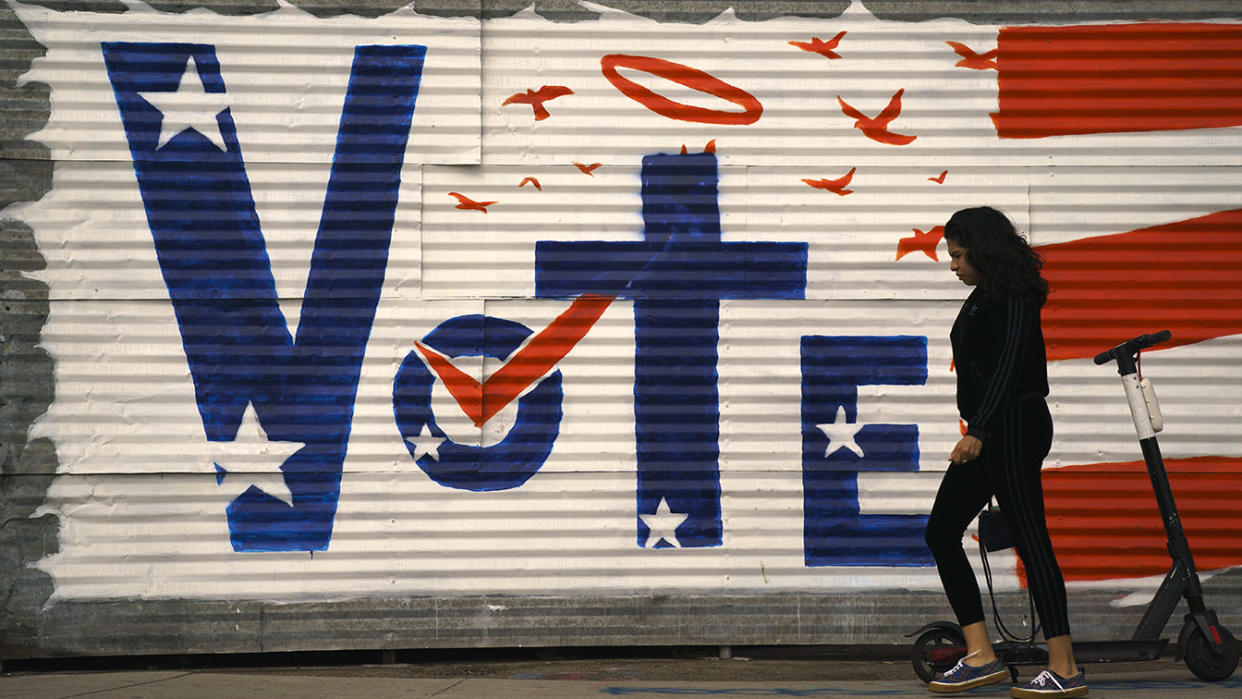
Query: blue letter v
x=212 y=255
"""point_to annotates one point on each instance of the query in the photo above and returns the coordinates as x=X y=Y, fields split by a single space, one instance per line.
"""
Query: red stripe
x=1056 y=81
x=1105 y=524
x=1184 y=276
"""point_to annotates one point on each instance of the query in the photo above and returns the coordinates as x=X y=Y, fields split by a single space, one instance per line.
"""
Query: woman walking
x=1002 y=381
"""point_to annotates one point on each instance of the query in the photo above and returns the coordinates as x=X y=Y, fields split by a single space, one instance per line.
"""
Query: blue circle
x=512 y=461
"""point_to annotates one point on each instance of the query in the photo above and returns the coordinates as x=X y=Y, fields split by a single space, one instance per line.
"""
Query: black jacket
x=999 y=358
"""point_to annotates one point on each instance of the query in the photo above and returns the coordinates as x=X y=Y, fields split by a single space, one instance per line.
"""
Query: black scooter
x=1207 y=647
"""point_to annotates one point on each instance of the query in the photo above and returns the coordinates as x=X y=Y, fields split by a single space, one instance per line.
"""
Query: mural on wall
x=676 y=276
x=666 y=301
x=248 y=371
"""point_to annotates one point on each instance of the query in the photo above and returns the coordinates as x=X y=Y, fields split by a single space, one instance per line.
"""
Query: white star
x=252 y=459
x=425 y=444
x=663 y=525
x=190 y=106
x=841 y=433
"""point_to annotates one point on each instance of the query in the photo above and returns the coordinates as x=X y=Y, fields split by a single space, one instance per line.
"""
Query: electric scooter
x=1207 y=647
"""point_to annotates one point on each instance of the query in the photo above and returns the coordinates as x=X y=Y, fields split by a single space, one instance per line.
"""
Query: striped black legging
x=1009 y=468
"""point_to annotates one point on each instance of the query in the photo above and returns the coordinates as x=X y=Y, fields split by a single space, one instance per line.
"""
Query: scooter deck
x=1086 y=652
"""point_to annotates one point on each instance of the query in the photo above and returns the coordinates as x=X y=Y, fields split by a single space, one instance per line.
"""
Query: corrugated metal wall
x=479 y=325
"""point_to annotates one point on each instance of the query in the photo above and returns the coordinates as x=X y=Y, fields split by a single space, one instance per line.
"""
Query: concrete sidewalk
x=640 y=679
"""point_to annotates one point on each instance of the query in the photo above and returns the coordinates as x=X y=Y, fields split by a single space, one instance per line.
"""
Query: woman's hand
x=967 y=449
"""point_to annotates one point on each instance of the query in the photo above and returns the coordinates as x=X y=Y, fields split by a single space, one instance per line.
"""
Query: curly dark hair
x=1006 y=264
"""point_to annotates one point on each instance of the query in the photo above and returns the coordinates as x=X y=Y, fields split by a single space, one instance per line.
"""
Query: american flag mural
x=418 y=306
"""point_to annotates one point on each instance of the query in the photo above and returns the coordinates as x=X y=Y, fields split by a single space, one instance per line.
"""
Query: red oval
x=683 y=75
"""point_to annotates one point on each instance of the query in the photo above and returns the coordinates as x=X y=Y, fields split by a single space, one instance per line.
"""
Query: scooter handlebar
x=1131 y=346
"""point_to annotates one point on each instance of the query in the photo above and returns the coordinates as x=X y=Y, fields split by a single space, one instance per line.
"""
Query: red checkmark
x=481 y=401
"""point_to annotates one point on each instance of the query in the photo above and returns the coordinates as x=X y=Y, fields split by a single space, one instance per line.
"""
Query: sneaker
x=963 y=677
x=1049 y=684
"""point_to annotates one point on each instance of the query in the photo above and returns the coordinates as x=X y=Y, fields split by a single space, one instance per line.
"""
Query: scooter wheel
x=935 y=651
x=1196 y=650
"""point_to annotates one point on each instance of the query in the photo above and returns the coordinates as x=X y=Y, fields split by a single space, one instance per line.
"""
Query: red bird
x=587 y=169
x=469 y=204
x=836 y=186
x=877 y=129
x=533 y=181
x=823 y=48
x=970 y=59
x=924 y=242
x=536 y=98
x=938 y=179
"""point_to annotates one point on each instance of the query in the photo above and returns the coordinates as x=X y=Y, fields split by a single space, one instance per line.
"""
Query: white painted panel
x=946 y=107
x=285 y=76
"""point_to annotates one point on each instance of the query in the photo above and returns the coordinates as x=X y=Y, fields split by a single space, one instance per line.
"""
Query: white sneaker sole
x=1024 y=693
x=954 y=687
